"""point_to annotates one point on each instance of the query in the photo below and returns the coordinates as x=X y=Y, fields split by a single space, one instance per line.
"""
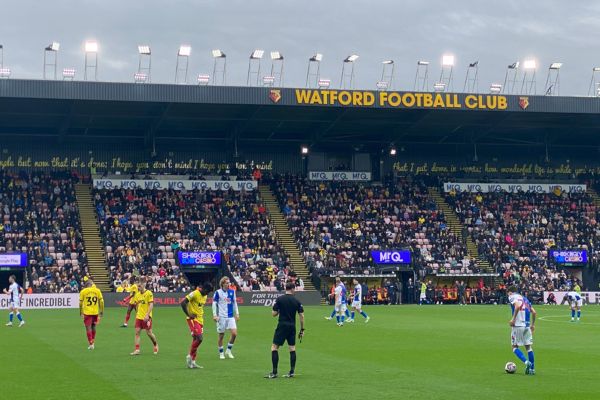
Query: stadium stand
x=39 y=216
x=337 y=224
x=142 y=231
x=515 y=231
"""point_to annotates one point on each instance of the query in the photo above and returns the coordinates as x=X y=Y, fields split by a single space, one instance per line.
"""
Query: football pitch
x=429 y=352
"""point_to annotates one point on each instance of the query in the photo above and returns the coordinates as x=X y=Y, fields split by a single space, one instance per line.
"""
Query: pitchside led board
x=390 y=257
x=13 y=261
x=568 y=258
x=193 y=260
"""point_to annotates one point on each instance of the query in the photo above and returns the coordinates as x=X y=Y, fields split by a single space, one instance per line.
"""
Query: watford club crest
x=523 y=102
x=275 y=95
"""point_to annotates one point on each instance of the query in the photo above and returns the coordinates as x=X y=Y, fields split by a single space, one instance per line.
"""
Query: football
x=510 y=367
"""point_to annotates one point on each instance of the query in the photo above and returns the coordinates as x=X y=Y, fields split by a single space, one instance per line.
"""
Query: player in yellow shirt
x=144 y=303
x=192 y=306
x=133 y=290
x=91 y=309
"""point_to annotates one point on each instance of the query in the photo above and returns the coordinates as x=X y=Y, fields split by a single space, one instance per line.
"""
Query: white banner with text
x=150 y=184
x=44 y=300
x=588 y=297
x=339 y=176
x=512 y=187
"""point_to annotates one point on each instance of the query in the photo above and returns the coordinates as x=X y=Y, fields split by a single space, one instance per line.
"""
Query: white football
x=510 y=367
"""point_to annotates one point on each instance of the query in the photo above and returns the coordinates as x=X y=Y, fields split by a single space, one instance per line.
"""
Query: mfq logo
x=128 y=185
x=152 y=185
x=102 y=184
x=275 y=95
x=391 y=257
x=176 y=185
x=523 y=102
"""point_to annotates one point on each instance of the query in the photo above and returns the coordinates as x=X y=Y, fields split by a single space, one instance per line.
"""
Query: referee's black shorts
x=283 y=333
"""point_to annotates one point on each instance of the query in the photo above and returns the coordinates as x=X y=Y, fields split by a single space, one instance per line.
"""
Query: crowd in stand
x=515 y=231
x=338 y=224
x=143 y=230
x=39 y=216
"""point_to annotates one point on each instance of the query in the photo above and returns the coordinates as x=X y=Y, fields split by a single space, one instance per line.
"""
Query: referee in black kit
x=286 y=307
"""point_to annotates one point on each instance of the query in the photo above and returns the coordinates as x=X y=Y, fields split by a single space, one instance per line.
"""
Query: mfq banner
x=561 y=297
x=339 y=176
x=44 y=301
x=512 y=187
x=391 y=256
x=151 y=184
x=265 y=299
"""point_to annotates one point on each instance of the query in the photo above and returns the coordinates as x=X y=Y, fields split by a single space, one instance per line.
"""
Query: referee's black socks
x=275 y=360
x=292 y=361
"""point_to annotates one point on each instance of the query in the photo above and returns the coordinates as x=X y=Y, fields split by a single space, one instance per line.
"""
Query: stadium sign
x=13 y=260
x=360 y=98
x=190 y=258
x=391 y=256
x=265 y=299
x=567 y=257
x=339 y=176
x=151 y=184
x=512 y=187
x=588 y=297
x=44 y=301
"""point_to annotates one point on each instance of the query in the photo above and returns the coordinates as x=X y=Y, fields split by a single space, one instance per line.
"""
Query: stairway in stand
x=457 y=228
x=284 y=236
x=91 y=237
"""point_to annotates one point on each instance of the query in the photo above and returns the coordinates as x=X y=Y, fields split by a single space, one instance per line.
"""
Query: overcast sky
x=494 y=33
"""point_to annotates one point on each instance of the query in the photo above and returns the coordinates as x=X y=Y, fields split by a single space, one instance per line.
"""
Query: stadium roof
x=98 y=111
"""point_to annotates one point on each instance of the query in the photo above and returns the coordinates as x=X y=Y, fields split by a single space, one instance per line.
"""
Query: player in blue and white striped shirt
x=15 y=292
x=357 y=301
x=225 y=314
x=523 y=325
x=575 y=301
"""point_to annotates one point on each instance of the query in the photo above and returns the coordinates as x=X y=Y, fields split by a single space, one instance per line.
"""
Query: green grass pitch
x=429 y=352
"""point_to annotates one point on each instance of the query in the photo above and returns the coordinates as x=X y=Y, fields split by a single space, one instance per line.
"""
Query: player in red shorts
x=192 y=307
x=91 y=308
x=144 y=301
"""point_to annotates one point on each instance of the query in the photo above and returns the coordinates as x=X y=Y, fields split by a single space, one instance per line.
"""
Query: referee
x=286 y=307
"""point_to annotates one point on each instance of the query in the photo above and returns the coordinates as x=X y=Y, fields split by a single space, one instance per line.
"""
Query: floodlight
x=351 y=58
x=422 y=62
x=91 y=46
x=54 y=46
x=140 y=77
x=304 y=150
x=4 y=72
x=448 y=60
x=275 y=55
x=268 y=80
x=439 y=87
x=184 y=50
x=529 y=64
x=387 y=62
x=382 y=85
x=514 y=65
x=257 y=54
x=556 y=65
x=68 y=73
x=218 y=54
x=495 y=88
x=203 y=79
x=144 y=49
x=596 y=69
x=317 y=57
x=392 y=151
x=324 y=83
